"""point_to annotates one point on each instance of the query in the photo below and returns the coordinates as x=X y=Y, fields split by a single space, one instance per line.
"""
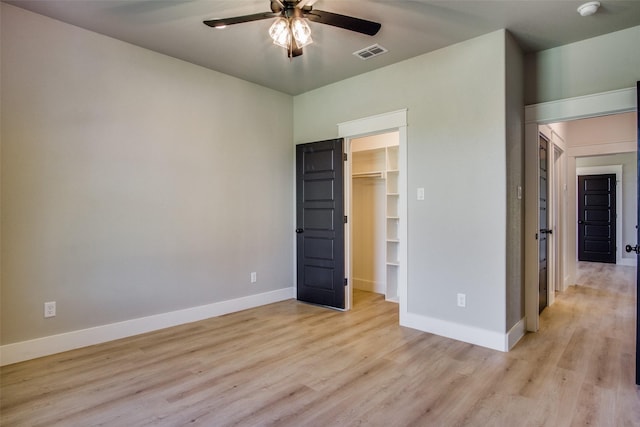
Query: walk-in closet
x=375 y=214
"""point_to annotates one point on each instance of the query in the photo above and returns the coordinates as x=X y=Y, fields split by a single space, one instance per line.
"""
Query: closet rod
x=379 y=175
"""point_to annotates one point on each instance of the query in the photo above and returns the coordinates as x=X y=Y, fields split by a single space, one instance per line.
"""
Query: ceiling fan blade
x=240 y=19
x=342 y=21
x=296 y=51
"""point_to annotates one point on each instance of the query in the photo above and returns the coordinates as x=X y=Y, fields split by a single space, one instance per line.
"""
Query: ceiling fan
x=290 y=29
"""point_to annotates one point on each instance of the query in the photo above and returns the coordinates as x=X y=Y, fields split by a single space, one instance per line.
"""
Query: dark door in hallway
x=544 y=231
x=638 y=241
x=597 y=218
x=320 y=223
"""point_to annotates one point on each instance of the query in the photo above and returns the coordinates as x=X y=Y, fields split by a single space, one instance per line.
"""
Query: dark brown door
x=638 y=241
x=597 y=218
x=320 y=223
x=543 y=234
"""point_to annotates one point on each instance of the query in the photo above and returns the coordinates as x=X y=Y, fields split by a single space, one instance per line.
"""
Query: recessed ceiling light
x=589 y=9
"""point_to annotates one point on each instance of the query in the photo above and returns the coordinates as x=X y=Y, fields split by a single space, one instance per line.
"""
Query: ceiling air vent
x=370 y=52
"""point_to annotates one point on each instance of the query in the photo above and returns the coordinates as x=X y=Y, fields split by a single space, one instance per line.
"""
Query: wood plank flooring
x=292 y=364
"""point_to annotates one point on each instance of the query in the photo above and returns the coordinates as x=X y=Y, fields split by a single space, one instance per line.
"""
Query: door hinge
x=346 y=281
x=345 y=219
x=344 y=156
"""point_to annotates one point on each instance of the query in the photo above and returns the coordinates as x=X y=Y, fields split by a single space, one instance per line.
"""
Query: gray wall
x=515 y=178
x=133 y=183
x=586 y=67
x=457 y=151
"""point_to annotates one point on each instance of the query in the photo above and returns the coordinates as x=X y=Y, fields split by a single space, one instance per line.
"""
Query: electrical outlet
x=50 y=309
x=462 y=300
x=254 y=277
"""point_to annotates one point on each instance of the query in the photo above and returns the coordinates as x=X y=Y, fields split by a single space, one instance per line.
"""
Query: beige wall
x=367 y=234
x=133 y=183
x=600 y=64
x=618 y=130
x=456 y=101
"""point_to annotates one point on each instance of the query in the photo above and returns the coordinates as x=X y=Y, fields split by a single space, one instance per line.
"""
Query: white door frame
x=558 y=220
x=554 y=204
x=613 y=102
x=381 y=123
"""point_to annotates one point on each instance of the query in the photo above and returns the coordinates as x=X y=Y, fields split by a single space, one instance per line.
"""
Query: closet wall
x=374 y=214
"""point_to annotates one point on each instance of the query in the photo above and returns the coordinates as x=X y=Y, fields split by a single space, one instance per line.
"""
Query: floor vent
x=370 y=52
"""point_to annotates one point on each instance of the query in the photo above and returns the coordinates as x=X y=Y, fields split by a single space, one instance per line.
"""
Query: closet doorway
x=374 y=222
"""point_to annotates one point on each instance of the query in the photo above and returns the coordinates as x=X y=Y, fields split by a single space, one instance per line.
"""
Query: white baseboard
x=368 y=285
x=31 y=349
x=630 y=262
x=470 y=334
x=516 y=333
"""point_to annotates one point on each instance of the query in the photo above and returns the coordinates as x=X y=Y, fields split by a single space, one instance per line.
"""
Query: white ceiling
x=409 y=28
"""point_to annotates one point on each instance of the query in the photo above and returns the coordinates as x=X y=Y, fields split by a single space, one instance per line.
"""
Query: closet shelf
x=376 y=174
x=356 y=149
x=393 y=194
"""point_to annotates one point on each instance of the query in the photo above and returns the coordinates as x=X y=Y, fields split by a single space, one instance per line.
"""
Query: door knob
x=630 y=248
x=299 y=230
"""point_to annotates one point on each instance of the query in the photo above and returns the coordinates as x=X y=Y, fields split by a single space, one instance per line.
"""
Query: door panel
x=637 y=242
x=320 y=223
x=597 y=218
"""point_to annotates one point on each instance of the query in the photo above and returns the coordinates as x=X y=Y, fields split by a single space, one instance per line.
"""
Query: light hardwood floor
x=291 y=364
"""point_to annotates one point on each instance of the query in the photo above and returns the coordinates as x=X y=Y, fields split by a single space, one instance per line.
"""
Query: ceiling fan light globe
x=301 y=45
x=280 y=33
x=284 y=40
x=301 y=32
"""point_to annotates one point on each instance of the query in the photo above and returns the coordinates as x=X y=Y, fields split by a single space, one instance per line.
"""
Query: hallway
x=586 y=350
